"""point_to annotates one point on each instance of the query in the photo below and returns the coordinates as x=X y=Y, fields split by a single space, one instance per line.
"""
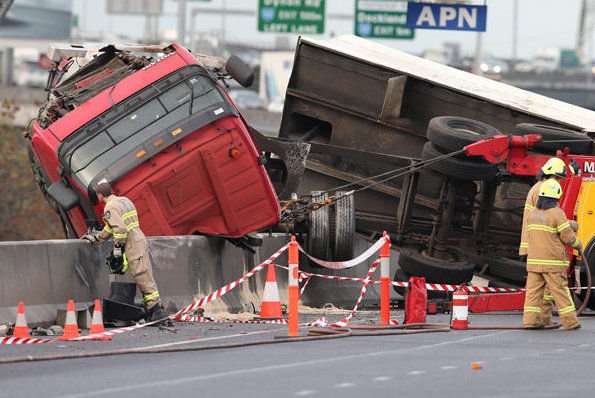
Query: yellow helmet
x=554 y=166
x=551 y=189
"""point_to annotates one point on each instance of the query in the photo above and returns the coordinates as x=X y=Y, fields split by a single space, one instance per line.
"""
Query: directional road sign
x=291 y=16
x=382 y=19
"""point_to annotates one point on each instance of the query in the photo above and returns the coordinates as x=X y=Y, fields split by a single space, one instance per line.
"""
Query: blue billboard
x=446 y=16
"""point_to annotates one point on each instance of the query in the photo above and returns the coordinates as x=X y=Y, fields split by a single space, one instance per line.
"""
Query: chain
x=297 y=209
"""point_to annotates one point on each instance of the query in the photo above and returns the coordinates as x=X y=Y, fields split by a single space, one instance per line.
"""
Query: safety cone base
x=458 y=324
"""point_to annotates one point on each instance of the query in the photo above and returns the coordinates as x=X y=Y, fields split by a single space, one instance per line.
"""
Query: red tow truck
x=514 y=159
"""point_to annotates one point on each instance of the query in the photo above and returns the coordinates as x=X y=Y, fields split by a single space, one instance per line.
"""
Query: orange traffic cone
x=21 y=329
x=460 y=309
x=71 y=329
x=271 y=304
x=97 y=322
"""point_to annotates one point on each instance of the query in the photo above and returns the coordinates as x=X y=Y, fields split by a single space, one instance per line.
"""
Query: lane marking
x=506 y=358
x=561 y=349
x=150 y=347
x=382 y=378
x=583 y=345
x=344 y=385
x=448 y=367
x=416 y=372
x=181 y=380
x=305 y=392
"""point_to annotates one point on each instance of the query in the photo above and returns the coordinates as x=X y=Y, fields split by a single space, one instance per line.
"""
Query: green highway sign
x=291 y=16
x=382 y=19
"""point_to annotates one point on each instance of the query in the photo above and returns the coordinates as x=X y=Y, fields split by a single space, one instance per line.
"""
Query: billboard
x=37 y=19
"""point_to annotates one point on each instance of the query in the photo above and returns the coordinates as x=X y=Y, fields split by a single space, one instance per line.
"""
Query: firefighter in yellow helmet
x=548 y=233
x=130 y=248
x=556 y=169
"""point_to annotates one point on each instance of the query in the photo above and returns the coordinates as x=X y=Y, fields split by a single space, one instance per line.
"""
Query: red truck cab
x=162 y=131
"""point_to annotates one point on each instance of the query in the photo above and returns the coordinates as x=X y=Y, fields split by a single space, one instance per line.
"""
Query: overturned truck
x=387 y=125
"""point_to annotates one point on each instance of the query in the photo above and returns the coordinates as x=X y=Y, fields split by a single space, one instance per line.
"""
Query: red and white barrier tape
x=343 y=322
x=220 y=292
x=304 y=286
x=112 y=332
x=321 y=322
x=23 y=340
x=429 y=286
x=350 y=263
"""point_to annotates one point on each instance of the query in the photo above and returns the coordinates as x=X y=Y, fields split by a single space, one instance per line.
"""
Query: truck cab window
x=195 y=95
x=136 y=120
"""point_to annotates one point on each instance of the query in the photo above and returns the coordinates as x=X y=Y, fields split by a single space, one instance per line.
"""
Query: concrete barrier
x=45 y=274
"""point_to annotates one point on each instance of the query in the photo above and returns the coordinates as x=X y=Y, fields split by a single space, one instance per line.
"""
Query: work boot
x=576 y=326
x=157 y=313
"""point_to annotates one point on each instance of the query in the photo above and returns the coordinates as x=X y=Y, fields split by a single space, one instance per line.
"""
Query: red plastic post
x=385 y=281
x=293 y=264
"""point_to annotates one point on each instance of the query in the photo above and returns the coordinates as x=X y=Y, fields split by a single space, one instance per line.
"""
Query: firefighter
x=130 y=248
x=556 y=169
x=548 y=233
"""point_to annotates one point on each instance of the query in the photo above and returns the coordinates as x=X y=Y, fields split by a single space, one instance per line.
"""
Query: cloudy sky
x=542 y=23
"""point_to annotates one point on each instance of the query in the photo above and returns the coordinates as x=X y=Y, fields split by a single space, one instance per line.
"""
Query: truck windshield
x=193 y=95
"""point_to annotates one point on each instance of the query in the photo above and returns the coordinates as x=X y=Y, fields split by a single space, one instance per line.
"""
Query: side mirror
x=241 y=72
x=64 y=196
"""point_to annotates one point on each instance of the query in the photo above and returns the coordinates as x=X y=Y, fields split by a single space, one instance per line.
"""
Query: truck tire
x=403 y=276
x=416 y=263
x=240 y=72
x=579 y=144
x=319 y=229
x=450 y=133
x=507 y=269
x=344 y=227
x=459 y=168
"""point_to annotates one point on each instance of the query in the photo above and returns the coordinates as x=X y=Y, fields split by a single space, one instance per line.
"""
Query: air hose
x=589 y=282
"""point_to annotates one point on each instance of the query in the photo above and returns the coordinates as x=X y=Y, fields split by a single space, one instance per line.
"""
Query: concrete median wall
x=45 y=274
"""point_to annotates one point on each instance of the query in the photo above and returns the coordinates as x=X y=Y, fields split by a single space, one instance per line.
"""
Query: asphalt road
x=513 y=363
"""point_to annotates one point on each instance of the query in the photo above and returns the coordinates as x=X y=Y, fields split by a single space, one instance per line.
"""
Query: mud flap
x=292 y=155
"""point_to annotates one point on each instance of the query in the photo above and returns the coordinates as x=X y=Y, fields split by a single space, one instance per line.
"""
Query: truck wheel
x=241 y=72
x=579 y=144
x=319 y=228
x=417 y=263
x=458 y=168
x=343 y=230
x=403 y=276
x=450 y=133
x=510 y=270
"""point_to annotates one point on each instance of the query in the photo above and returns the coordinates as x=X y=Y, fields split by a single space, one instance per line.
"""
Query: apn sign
x=446 y=16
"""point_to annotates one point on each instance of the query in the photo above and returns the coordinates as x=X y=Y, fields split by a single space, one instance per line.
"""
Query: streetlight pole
x=182 y=22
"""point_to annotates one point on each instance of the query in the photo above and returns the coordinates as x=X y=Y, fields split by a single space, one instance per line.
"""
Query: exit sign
x=291 y=16
x=382 y=19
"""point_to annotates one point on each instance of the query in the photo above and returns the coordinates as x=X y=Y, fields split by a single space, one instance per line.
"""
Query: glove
x=573 y=225
x=579 y=247
x=90 y=238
